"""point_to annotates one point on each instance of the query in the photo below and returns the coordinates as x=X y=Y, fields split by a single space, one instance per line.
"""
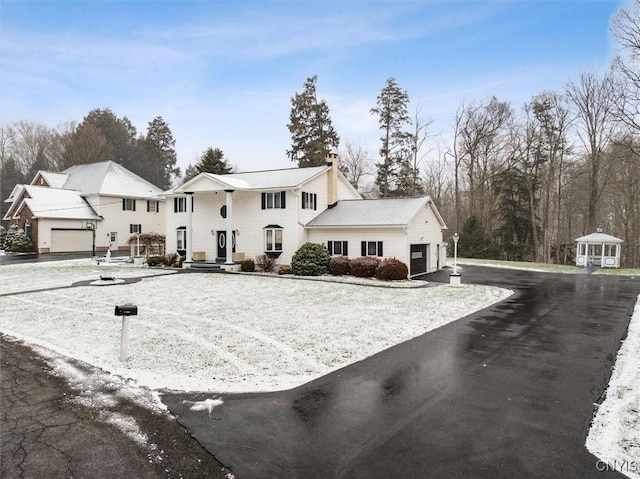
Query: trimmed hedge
x=392 y=269
x=364 y=267
x=311 y=259
x=248 y=266
x=339 y=266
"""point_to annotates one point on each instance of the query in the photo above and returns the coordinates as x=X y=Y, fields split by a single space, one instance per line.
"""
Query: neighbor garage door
x=419 y=259
x=64 y=241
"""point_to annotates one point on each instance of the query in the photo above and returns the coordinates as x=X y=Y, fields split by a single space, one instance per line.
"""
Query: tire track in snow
x=236 y=361
x=279 y=345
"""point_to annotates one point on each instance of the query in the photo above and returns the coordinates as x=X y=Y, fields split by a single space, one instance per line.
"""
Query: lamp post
x=455 y=253
x=454 y=278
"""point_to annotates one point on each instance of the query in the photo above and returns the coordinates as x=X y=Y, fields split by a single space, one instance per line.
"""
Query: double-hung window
x=128 y=204
x=179 y=204
x=371 y=248
x=309 y=201
x=135 y=228
x=274 y=200
x=273 y=239
x=181 y=238
x=338 y=248
x=153 y=206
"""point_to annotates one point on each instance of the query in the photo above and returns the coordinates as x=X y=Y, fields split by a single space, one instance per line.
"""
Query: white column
x=189 y=253
x=229 y=234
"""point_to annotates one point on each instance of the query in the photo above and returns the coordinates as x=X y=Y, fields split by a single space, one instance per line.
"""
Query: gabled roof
x=108 y=178
x=599 y=238
x=256 y=180
x=53 y=180
x=381 y=212
x=45 y=202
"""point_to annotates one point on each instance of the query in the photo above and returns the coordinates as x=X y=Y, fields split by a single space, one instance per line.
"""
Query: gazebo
x=598 y=249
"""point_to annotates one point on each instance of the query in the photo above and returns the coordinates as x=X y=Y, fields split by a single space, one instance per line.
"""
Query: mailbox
x=126 y=310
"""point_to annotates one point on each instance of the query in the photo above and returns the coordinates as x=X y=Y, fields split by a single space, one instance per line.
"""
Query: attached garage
x=419 y=263
x=71 y=240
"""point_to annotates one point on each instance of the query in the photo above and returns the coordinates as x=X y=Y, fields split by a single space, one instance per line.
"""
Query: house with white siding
x=93 y=208
x=275 y=212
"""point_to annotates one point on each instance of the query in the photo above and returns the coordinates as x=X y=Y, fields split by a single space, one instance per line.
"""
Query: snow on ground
x=232 y=333
x=614 y=436
x=53 y=274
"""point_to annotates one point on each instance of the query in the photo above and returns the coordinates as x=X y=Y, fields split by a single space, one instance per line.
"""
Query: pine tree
x=312 y=134
x=213 y=161
x=157 y=154
x=393 y=116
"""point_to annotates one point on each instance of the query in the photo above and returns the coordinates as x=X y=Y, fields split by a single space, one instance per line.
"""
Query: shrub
x=155 y=260
x=339 y=265
x=16 y=240
x=284 y=269
x=364 y=267
x=311 y=259
x=173 y=260
x=265 y=263
x=392 y=269
x=248 y=266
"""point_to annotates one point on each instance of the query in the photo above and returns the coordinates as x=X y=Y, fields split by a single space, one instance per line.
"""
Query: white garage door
x=64 y=241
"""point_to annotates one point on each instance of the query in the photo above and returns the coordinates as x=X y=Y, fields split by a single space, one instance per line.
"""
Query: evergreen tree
x=312 y=134
x=157 y=154
x=119 y=133
x=10 y=176
x=474 y=242
x=393 y=116
x=213 y=161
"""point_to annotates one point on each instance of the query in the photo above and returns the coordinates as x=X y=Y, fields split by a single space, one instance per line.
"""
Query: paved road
x=507 y=392
x=46 y=434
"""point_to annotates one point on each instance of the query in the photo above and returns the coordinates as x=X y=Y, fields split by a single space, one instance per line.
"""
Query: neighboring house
x=275 y=212
x=86 y=207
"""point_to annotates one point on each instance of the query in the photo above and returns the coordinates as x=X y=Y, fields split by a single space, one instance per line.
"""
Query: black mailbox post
x=125 y=310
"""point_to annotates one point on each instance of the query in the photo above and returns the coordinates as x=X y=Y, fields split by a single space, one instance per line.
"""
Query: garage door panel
x=66 y=241
x=419 y=259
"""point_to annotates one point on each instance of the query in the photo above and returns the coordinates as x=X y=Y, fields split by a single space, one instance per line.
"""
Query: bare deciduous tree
x=355 y=163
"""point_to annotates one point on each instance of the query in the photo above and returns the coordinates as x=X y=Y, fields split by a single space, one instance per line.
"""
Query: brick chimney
x=332 y=180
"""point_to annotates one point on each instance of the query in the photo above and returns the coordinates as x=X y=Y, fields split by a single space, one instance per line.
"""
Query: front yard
x=225 y=333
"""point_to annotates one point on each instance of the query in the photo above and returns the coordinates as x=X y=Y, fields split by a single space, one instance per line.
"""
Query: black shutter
x=134 y=204
x=363 y=248
x=130 y=228
x=192 y=203
x=330 y=246
x=380 y=248
x=175 y=205
x=345 y=250
x=264 y=201
x=124 y=204
x=139 y=228
x=148 y=205
x=283 y=196
x=315 y=201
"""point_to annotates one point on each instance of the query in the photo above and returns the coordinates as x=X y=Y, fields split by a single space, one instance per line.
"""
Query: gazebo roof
x=598 y=238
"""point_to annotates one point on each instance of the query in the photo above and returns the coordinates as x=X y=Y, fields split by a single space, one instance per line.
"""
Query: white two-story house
x=275 y=212
x=94 y=207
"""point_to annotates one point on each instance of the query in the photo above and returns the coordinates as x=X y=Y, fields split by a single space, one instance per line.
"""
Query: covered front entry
x=71 y=240
x=419 y=259
x=221 y=239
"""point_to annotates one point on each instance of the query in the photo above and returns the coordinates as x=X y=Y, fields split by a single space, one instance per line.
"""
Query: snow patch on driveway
x=614 y=436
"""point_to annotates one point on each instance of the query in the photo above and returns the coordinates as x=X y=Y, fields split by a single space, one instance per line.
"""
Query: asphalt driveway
x=506 y=392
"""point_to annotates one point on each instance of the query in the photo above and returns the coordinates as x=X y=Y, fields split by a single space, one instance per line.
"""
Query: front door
x=419 y=259
x=113 y=241
x=221 y=236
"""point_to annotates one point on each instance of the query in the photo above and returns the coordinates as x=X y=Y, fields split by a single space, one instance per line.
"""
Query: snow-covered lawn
x=232 y=332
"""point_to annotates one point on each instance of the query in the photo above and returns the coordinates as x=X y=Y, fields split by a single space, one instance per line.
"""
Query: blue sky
x=222 y=73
